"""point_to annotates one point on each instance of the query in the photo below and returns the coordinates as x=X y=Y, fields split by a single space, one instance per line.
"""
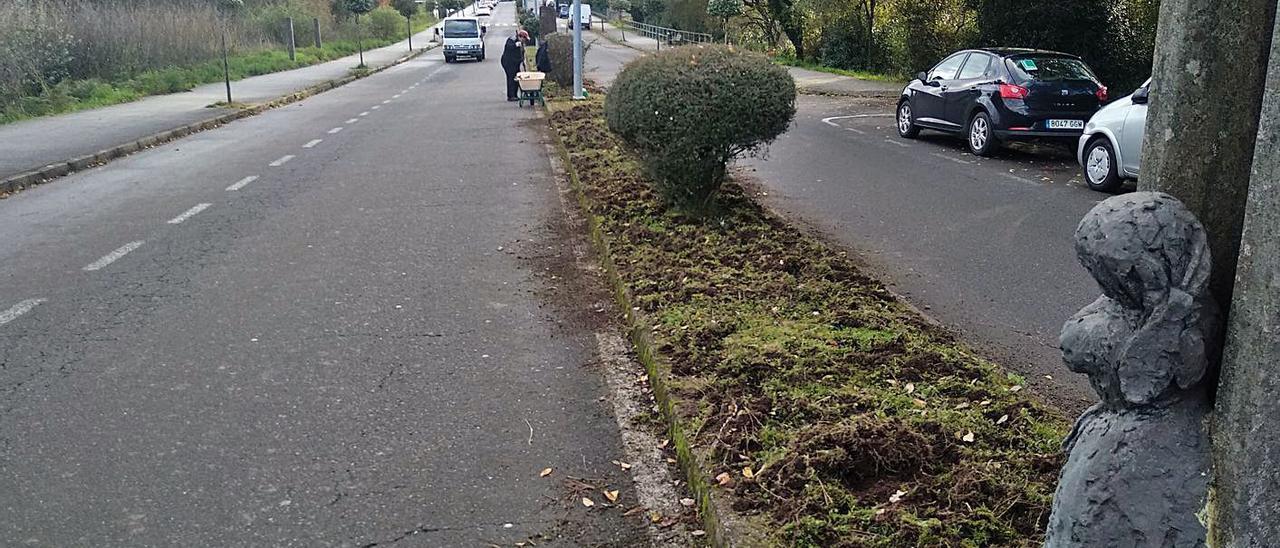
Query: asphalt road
x=327 y=325
x=983 y=245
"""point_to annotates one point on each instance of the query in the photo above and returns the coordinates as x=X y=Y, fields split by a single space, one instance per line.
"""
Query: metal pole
x=359 y=41
x=226 y=68
x=408 y=25
x=577 y=49
x=293 y=43
x=315 y=26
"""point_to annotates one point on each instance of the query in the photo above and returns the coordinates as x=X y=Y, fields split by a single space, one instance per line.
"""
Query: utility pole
x=315 y=26
x=293 y=43
x=576 y=21
x=226 y=68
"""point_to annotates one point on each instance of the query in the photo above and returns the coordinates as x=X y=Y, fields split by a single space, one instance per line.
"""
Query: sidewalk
x=807 y=81
x=34 y=144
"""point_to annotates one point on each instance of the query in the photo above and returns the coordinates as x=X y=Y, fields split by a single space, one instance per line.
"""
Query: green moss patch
x=819 y=403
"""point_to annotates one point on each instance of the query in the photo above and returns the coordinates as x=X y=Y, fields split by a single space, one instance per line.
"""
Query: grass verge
x=76 y=95
x=820 y=406
x=791 y=61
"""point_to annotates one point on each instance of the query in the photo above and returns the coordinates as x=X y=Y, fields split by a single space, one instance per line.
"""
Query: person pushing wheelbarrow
x=513 y=60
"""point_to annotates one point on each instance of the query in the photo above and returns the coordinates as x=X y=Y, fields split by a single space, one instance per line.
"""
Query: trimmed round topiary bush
x=688 y=111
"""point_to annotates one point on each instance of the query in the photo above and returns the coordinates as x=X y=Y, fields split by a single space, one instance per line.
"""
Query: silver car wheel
x=904 y=118
x=1099 y=164
x=978 y=131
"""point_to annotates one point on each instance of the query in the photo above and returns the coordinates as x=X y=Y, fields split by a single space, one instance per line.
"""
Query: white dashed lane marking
x=335 y=130
x=376 y=107
x=385 y=102
x=19 y=309
x=113 y=256
x=189 y=213
x=240 y=184
x=352 y=121
x=365 y=113
x=282 y=161
x=313 y=143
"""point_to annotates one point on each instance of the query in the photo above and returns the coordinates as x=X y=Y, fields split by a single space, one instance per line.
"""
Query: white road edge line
x=189 y=213
x=945 y=157
x=858 y=131
x=282 y=161
x=240 y=184
x=313 y=143
x=19 y=309
x=829 y=120
x=903 y=145
x=113 y=256
x=335 y=130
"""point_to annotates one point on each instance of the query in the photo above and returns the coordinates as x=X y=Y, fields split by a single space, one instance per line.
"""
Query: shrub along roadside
x=836 y=415
x=74 y=95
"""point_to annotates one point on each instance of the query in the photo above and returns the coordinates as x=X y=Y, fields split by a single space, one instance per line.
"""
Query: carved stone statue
x=1137 y=472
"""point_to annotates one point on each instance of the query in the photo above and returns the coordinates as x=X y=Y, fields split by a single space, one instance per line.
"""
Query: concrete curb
x=721 y=532
x=28 y=179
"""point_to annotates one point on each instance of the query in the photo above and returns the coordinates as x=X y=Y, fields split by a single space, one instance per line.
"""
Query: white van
x=586 y=16
x=463 y=39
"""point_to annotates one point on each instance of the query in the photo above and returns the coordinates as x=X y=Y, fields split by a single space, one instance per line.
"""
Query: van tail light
x=1102 y=94
x=1010 y=91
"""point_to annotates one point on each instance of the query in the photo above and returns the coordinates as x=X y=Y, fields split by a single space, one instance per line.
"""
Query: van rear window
x=461 y=29
x=1049 y=69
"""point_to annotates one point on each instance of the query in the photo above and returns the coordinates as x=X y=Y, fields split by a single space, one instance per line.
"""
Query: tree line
x=902 y=37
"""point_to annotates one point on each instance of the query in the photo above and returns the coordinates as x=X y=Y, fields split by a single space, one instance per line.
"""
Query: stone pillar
x=1245 y=506
x=1210 y=66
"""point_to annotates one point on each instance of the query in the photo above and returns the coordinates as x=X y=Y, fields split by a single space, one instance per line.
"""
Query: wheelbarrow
x=530 y=88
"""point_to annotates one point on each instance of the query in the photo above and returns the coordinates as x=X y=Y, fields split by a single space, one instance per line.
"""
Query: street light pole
x=576 y=21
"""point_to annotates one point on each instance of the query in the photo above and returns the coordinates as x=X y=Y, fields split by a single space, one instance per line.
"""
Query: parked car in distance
x=564 y=11
x=1110 y=149
x=463 y=39
x=992 y=95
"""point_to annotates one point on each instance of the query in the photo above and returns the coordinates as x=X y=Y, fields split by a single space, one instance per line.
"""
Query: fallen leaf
x=697 y=532
x=897 y=496
x=984 y=403
x=687 y=502
x=664 y=443
x=748 y=473
x=911 y=387
x=880 y=511
x=1003 y=419
x=611 y=495
x=544 y=473
x=968 y=438
x=724 y=479
x=624 y=465
x=633 y=511
x=919 y=402
x=963 y=405
x=655 y=517
x=588 y=502
x=1015 y=388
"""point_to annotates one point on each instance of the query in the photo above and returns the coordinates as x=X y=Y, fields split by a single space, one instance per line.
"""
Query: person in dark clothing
x=512 y=60
x=543 y=57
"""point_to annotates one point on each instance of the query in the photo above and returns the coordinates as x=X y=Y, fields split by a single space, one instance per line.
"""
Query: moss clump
x=861 y=423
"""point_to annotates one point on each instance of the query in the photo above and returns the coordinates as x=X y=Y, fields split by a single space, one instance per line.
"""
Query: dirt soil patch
x=821 y=405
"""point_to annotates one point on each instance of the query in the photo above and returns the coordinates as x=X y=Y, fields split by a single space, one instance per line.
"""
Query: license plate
x=1064 y=124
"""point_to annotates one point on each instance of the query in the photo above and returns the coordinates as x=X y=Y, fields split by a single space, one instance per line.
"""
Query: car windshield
x=459 y=28
x=1049 y=69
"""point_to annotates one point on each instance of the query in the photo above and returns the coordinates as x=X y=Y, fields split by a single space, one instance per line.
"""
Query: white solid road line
x=19 y=309
x=335 y=130
x=831 y=119
x=240 y=184
x=945 y=157
x=189 y=213
x=283 y=159
x=113 y=256
x=352 y=121
x=312 y=143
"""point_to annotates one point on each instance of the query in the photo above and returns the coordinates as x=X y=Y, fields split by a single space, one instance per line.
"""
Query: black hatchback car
x=998 y=94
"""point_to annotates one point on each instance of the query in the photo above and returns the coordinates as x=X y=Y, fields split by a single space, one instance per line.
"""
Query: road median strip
x=808 y=405
x=28 y=179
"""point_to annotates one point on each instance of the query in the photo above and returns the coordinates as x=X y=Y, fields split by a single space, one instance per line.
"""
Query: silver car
x=1111 y=147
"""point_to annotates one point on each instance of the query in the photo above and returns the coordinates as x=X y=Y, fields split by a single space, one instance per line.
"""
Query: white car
x=1111 y=147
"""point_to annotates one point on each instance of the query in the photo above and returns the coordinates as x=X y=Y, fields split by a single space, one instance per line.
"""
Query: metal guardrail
x=672 y=37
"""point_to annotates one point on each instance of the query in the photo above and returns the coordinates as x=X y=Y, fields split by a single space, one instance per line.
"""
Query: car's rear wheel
x=907 y=127
x=1100 y=169
x=982 y=140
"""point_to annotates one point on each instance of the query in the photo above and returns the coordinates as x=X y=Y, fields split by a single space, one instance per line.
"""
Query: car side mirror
x=923 y=77
x=1141 y=97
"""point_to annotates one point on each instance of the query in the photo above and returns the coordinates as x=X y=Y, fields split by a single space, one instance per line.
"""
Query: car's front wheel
x=982 y=140
x=1100 y=169
x=907 y=127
